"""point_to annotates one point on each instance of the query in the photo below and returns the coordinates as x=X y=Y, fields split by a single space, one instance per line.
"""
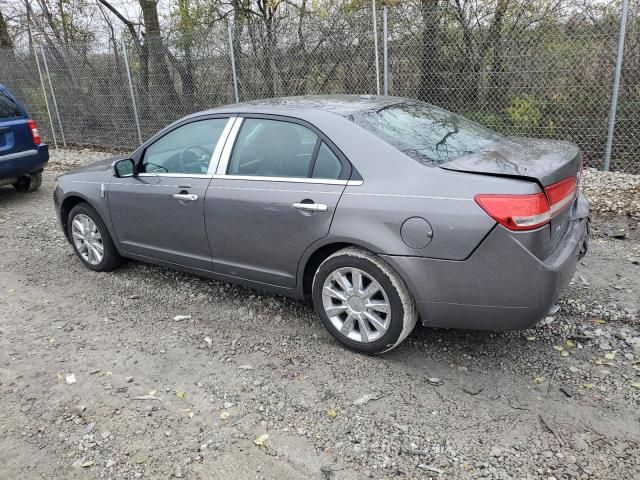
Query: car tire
x=29 y=183
x=110 y=256
x=370 y=271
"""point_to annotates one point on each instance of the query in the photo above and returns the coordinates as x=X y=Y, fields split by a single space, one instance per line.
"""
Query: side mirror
x=123 y=168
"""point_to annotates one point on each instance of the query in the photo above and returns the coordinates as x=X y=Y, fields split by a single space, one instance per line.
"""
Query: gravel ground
x=99 y=379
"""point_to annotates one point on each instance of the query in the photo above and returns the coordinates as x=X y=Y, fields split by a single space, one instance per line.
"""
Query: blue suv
x=22 y=153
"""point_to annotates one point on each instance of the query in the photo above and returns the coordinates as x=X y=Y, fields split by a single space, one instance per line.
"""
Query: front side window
x=8 y=108
x=185 y=150
x=272 y=148
x=426 y=133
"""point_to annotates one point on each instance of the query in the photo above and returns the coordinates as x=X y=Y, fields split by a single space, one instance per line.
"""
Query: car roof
x=342 y=105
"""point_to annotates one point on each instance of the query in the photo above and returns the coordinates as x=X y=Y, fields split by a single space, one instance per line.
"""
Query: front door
x=274 y=194
x=158 y=213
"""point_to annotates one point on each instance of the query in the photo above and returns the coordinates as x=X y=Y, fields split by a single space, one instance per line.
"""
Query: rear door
x=159 y=213
x=274 y=193
x=15 y=135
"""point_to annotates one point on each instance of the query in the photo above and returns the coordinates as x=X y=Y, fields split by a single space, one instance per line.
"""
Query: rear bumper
x=501 y=286
x=15 y=165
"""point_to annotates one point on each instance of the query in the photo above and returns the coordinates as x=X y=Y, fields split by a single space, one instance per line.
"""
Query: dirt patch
x=155 y=397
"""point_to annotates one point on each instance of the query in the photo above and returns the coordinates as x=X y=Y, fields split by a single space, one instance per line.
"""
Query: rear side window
x=327 y=164
x=8 y=108
x=272 y=148
x=428 y=134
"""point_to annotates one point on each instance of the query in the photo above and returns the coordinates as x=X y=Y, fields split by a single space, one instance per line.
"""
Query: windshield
x=426 y=133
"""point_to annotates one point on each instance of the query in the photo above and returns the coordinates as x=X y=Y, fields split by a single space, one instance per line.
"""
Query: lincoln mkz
x=382 y=210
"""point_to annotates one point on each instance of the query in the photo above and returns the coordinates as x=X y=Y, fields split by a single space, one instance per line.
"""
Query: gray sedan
x=383 y=210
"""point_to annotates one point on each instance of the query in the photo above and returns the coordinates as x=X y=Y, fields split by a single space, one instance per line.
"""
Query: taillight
x=561 y=194
x=526 y=212
x=35 y=135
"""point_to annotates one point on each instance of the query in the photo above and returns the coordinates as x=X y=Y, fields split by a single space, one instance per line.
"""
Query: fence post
x=131 y=93
x=44 y=94
x=385 y=53
x=616 y=84
x=375 y=45
x=53 y=96
x=233 y=64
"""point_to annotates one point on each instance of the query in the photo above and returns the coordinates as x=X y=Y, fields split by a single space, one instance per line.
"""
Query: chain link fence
x=537 y=74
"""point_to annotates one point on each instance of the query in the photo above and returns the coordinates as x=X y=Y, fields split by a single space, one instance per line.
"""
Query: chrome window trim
x=228 y=147
x=223 y=163
x=176 y=175
x=222 y=141
x=317 y=181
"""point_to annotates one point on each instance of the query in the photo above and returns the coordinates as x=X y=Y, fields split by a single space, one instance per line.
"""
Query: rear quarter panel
x=396 y=188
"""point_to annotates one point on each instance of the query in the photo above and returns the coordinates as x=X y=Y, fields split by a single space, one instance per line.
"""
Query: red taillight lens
x=526 y=212
x=561 y=194
x=35 y=135
x=517 y=212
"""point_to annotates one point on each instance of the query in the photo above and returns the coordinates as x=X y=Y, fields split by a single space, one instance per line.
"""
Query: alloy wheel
x=356 y=304
x=87 y=239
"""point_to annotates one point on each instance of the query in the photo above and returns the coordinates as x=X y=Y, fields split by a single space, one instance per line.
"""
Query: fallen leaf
x=564 y=353
x=538 y=379
x=261 y=439
x=610 y=355
x=588 y=386
x=180 y=394
x=332 y=413
x=531 y=339
x=140 y=458
x=558 y=347
x=88 y=463
x=600 y=321
x=571 y=344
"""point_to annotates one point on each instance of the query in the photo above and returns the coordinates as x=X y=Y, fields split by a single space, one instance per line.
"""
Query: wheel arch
x=65 y=208
x=315 y=256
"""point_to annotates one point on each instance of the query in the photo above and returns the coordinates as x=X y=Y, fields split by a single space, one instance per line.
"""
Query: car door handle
x=185 y=197
x=311 y=207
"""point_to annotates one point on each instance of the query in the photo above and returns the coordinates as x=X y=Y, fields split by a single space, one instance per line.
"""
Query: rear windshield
x=8 y=107
x=428 y=134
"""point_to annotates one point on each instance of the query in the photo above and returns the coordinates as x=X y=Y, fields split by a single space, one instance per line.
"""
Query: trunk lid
x=543 y=161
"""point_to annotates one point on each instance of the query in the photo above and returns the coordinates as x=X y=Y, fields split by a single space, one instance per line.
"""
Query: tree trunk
x=5 y=38
x=497 y=80
x=430 y=59
x=160 y=81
